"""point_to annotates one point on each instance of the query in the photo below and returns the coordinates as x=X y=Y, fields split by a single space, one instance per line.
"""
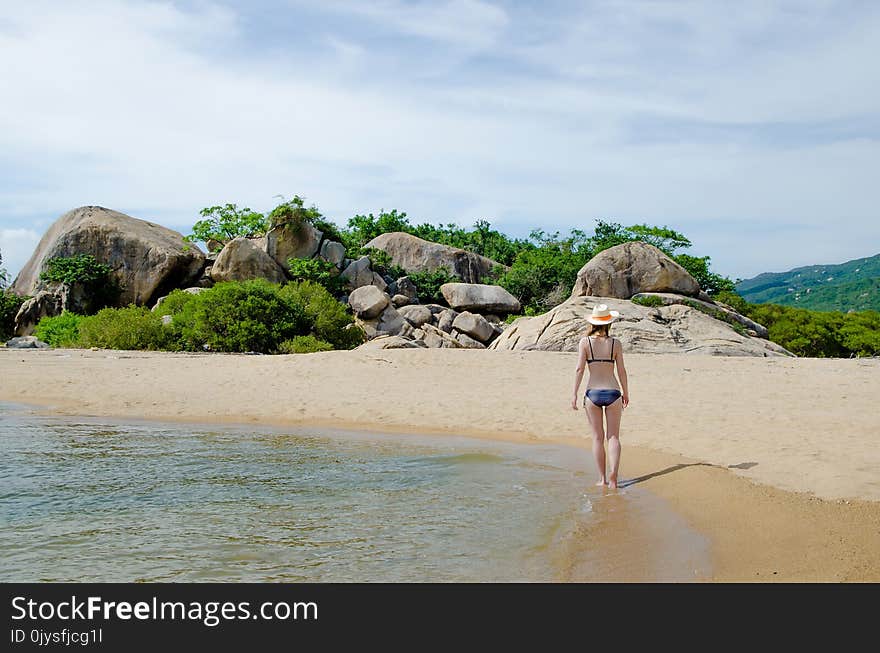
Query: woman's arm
x=621 y=374
x=579 y=372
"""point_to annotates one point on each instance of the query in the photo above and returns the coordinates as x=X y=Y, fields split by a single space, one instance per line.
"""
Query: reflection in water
x=90 y=501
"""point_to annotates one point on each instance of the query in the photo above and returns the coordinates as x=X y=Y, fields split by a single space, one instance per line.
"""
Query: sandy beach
x=776 y=461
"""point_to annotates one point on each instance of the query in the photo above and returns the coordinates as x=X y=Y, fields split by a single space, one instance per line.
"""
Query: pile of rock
x=686 y=321
x=147 y=260
x=471 y=320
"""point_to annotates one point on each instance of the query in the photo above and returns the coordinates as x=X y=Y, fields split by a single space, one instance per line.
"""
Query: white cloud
x=528 y=119
x=17 y=245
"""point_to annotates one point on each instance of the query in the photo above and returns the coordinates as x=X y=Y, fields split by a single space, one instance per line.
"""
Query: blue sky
x=753 y=127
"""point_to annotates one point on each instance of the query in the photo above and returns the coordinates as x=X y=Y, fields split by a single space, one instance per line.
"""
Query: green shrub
x=698 y=267
x=328 y=229
x=101 y=287
x=9 y=305
x=428 y=285
x=316 y=270
x=294 y=213
x=60 y=330
x=174 y=302
x=303 y=345
x=380 y=261
x=223 y=223
x=239 y=317
x=4 y=275
x=542 y=276
x=327 y=317
x=133 y=327
x=82 y=268
x=732 y=299
x=651 y=301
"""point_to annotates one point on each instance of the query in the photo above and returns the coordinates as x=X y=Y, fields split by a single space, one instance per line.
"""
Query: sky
x=753 y=127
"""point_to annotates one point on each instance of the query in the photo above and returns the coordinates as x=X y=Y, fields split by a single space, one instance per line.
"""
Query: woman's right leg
x=594 y=414
x=613 y=413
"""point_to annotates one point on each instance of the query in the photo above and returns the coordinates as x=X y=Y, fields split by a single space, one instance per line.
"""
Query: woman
x=602 y=352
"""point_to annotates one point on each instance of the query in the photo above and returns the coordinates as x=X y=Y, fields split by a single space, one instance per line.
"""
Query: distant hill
x=854 y=285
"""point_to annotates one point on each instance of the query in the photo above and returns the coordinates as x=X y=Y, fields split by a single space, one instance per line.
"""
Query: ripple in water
x=87 y=500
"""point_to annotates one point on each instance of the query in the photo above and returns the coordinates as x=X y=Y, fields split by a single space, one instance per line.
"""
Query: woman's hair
x=601 y=329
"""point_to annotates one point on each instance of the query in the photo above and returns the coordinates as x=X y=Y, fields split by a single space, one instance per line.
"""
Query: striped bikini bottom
x=602 y=396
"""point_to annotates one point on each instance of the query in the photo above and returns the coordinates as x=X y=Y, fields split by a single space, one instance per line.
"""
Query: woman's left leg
x=613 y=414
x=594 y=416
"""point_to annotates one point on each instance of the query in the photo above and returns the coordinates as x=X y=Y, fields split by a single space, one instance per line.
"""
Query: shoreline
x=758 y=530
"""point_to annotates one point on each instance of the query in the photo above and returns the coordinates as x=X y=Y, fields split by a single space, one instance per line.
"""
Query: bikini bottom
x=602 y=396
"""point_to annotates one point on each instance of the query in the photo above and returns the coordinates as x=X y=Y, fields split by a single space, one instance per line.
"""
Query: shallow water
x=88 y=499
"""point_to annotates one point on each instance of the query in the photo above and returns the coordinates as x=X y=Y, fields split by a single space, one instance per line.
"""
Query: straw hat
x=601 y=315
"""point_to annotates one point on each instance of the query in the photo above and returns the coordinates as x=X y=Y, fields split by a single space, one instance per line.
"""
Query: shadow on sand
x=675 y=468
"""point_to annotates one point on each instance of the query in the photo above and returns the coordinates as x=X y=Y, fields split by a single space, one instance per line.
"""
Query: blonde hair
x=597 y=328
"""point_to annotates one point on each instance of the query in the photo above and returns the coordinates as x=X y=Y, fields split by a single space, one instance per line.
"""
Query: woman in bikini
x=604 y=394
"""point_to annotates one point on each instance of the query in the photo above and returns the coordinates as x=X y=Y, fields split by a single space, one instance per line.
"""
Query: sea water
x=94 y=499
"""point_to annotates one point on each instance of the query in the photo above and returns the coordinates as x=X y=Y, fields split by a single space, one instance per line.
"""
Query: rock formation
x=665 y=329
x=479 y=297
x=242 y=259
x=416 y=255
x=292 y=240
x=625 y=270
x=147 y=260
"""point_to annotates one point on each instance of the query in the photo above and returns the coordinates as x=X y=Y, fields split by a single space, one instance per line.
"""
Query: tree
x=4 y=275
x=223 y=223
x=294 y=212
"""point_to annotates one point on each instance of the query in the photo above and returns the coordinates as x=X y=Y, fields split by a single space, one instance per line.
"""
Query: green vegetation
x=60 y=330
x=317 y=270
x=303 y=345
x=822 y=334
x=133 y=327
x=82 y=268
x=380 y=261
x=650 y=301
x=9 y=305
x=223 y=223
x=544 y=272
x=294 y=212
x=428 y=285
x=238 y=317
x=101 y=288
x=234 y=316
x=4 y=275
x=327 y=318
x=854 y=285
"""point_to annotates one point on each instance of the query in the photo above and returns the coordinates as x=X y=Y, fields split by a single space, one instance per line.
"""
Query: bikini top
x=599 y=360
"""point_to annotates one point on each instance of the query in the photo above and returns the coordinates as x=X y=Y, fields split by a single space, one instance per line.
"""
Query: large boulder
x=435 y=338
x=146 y=259
x=367 y=302
x=242 y=259
x=414 y=254
x=359 y=273
x=644 y=330
x=479 y=297
x=417 y=315
x=333 y=252
x=292 y=240
x=476 y=326
x=405 y=286
x=446 y=319
x=625 y=270
x=389 y=322
x=44 y=304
